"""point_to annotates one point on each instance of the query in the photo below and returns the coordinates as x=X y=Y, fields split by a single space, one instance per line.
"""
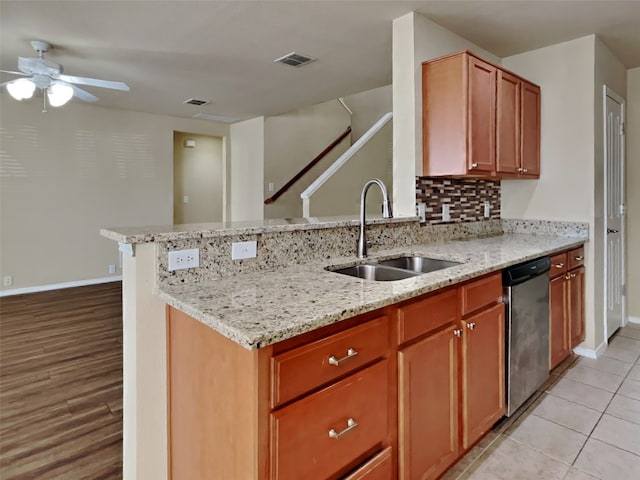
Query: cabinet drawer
x=420 y=317
x=378 y=468
x=558 y=265
x=576 y=258
x=303 y=369
x=324 y=433
x=480 y=293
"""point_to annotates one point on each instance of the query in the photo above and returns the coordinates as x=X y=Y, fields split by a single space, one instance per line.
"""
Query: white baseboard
x=590 y=352
x=631 y=319
x=58 y=286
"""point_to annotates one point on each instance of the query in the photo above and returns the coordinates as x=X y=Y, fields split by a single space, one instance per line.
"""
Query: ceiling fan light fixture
x=59 y=93
x=21 y=88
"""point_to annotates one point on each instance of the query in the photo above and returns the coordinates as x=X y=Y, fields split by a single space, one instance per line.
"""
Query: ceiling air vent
x=295 y=59
x=196 y=102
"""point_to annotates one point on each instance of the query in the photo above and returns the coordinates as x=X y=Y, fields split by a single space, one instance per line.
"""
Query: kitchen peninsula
x=244 y=384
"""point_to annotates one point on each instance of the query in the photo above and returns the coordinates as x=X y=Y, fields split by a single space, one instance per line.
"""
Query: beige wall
x=292 y=140
x=198 y=174
x=69 y=172
x=633 y=193
x=246 y=170
x=368 y=107
x=415 y=39
x=571 y=75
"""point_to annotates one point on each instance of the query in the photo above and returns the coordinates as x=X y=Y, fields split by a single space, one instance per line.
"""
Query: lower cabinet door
x=559 y=347
x=333 y=430
x=576 y=305
x=428 y=405
x=483 y=388
x=378 y=468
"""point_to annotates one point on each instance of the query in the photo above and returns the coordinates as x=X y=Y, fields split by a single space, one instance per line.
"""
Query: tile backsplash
x=466 y=198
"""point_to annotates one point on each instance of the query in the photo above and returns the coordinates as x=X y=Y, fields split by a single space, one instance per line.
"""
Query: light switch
x=446 y=212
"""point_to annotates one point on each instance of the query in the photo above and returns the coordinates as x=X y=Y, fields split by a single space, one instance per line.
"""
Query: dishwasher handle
x=525 y=271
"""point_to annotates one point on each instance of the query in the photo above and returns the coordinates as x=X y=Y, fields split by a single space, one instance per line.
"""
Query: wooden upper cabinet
x=530 y=129
x=478 y=120
x=481 y=116
x=508 y=123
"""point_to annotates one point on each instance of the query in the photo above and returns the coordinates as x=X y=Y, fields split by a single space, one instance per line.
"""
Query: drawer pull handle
x=471 y=325
x=338 y=361
x=579 y=258
x=351 y=424
x=559 y=265
x=474 y=165
x=458 y=332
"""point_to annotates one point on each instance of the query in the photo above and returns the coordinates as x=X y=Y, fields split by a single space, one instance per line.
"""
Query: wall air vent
x=295 y=59
x=216 y=118
x=196 y=102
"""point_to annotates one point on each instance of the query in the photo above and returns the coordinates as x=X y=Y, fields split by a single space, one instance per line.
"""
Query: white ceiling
x=223 y=51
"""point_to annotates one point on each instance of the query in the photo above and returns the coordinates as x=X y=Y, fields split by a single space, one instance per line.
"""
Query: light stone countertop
x=263 y=308
x=164 y=233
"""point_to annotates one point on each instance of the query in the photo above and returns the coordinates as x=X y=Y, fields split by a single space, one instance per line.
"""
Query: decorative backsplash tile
x=466 y=198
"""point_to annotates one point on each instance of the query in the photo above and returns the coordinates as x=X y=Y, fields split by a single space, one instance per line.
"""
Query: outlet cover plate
x=180 y=259
x=242 y=250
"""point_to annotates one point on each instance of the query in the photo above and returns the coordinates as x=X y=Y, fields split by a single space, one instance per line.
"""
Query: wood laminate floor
x=61 y=384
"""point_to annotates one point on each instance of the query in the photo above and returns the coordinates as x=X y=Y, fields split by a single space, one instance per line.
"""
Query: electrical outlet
x=112 y=268
x=241 y=250
x=487 y=209
x=7 y=280
x=446 y=212
x=272 y=187
x=185 y=199
x=179 y=259
x=422 y=212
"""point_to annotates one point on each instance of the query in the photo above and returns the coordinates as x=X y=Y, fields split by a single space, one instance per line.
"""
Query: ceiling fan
x=47 y=76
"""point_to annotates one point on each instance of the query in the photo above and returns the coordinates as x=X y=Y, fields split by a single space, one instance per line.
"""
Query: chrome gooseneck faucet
x=386 y=213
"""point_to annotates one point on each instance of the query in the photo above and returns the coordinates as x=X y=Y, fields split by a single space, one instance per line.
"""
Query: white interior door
x=614 y=211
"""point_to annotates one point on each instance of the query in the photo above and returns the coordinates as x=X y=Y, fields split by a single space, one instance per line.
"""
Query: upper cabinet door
x=508 y=123
x=530 y=128
x=481 y=116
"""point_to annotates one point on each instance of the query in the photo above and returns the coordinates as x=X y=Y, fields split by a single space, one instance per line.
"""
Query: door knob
x=611 y=230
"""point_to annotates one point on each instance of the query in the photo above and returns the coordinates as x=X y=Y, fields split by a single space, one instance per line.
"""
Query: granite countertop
x=262 y=308
x=164 y=233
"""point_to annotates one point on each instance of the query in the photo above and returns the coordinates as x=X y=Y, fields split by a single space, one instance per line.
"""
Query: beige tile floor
x=583 y=424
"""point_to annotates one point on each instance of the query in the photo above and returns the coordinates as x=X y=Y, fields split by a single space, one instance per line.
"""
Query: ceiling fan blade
x=94 y=82
x=15 y=73
x=84 y=95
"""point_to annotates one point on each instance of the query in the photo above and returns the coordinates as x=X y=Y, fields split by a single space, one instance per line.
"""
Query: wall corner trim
x=590 y=352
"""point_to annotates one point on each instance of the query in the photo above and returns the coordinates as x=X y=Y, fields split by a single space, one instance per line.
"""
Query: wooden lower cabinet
x=559 y=345
x=576 y=305
x=428 y=405
x=483 y=385
x=401 y=392
x=566 y=305
x=451 y=388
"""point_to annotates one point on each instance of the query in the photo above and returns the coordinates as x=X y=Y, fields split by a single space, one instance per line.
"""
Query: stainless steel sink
x=378 y=273
x=419 y=264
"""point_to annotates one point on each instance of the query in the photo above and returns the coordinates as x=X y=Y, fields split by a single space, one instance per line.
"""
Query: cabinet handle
x=524 y=170
x=559 y=265
x=573 y=275
x=458 y=332
x=339 y=361
x=351 y=424
x=471 y=325
x=567 y=276
x=579 y=258
x=474 y=165
x=520 y=169
x=611 y=230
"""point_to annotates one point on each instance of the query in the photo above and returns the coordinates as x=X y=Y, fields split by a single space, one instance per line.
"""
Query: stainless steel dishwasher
x=526 y=290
